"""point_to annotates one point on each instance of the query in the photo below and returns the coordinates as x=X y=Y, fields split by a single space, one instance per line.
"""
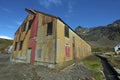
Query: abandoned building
x=47 y=40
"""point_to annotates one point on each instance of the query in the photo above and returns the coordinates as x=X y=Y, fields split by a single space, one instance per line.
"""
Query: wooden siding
x=32 y=39
x=82 y=49
x=46 y=43
x=53 y=48
x=21 y=36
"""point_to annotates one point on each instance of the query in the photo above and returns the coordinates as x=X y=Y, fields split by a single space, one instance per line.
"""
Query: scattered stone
x=36 y=72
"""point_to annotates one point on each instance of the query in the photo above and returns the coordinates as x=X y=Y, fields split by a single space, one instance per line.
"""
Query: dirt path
x=11 y=71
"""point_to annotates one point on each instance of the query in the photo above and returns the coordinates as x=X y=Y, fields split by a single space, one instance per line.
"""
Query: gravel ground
x=18 y=71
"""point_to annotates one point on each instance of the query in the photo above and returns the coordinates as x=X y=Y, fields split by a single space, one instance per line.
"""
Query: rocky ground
x=18 y=71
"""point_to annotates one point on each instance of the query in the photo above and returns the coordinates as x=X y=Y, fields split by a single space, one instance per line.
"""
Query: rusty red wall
x=32 y=40
x=32 y=45
x=34 y=27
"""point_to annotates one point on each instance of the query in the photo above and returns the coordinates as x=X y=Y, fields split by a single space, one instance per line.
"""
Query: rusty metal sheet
x=34 y=27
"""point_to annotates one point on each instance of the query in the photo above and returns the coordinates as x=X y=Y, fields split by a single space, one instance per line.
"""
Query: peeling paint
x=52 y=47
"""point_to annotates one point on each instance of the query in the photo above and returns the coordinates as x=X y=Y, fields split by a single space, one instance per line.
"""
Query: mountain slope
x=4 y=43
x=101 y=36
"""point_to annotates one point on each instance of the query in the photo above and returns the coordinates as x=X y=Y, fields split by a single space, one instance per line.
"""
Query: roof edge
x=30 y=11
x=35 y=11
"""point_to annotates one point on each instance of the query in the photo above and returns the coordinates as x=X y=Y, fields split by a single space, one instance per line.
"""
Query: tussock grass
x=114 y=61
x=103 y=49
x=94 y=64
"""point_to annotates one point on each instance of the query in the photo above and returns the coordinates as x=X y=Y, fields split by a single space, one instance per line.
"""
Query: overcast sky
x=86 y=13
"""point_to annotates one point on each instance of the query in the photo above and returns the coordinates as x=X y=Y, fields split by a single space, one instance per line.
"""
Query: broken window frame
x=21 y=44
x=66 y=31
x=29 y=24
x=15 y=46
x=24 y=27
x=49 y=28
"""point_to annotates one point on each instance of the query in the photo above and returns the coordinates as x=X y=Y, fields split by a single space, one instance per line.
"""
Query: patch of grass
x=103 y=49
x=114 y=61
x=94 y=64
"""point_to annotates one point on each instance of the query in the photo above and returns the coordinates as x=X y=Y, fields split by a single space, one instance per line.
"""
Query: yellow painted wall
x=82 y=49
x=21 y=36
x=52 y=46
x=46 y=43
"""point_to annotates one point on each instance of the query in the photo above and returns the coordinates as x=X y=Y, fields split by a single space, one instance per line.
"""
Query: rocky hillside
x=4 y=43
x=101 y=36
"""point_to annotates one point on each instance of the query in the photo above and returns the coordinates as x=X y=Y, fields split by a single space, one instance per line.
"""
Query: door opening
x=74 y=50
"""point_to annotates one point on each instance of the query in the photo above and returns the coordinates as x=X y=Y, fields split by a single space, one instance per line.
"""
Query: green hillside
x=4 y=43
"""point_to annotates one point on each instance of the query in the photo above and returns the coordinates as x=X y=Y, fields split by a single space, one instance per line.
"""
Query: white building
x=117 y=48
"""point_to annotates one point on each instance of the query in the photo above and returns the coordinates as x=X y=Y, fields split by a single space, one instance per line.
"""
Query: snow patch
x=6 y=37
